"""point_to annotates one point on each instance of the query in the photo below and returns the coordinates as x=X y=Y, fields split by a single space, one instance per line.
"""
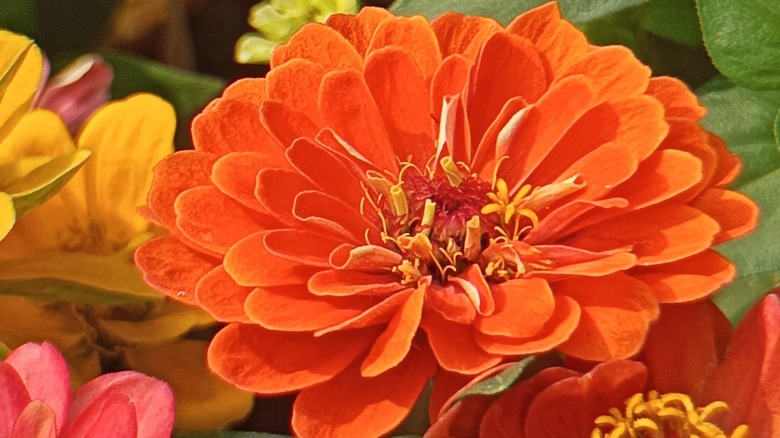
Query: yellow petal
x=173 y=321
x=25 y=320
x=7 y=215
x=203 y=401
x=21 y=69
x=45 y=181
x=76 y=277
x=38 y=133
x=126 y=138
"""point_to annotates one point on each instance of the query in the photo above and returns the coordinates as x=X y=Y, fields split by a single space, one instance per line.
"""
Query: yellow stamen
x=427 y=220
x=661 y=414
x=472 y=245
x=451 y=171
x=398 y=200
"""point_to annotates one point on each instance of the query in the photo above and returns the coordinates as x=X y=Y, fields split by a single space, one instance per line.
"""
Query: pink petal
x=13 y=397
x=36 y=421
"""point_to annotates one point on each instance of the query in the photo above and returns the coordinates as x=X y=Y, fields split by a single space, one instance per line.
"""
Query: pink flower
x=36 y=400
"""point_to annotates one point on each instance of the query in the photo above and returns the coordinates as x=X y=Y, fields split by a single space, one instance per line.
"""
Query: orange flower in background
x=691 y=382
x=401 y=199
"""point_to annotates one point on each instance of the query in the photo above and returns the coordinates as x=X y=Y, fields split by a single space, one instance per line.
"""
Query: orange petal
x=462 y=34
x=688 y=136
x=369 y=257
x=445 y=385
x=378 y=314
x=736 y=213
x=284 y=124
x=305 y=247
x=343 y=282
x=396 y=85
x=367 y=406
x=616 y=312
x=329 y=171
x=392 y=346
x=529 y=141
x=688 y=279
x=221 y=296
x=454 y=129
x=556 y=330
x=659 y=234
x=454 y=346
x=276 y=189
x=574 y=261
x=487 y=154
x=344 y=98
x=559 y=42
x=232 y=126
x=450 y=78
x=614 y=71
x=522 y=308
x=325 y=213
x=173 y=175
x=684 y=346
x=251 y=264
x=173 y=268
x=492 y=87
x=294 y=309
x=729 y=165
x=269 y=362
x=412 y=35
x=213 y=220
x=295 y=83
x=235 y=175
x=250 y=90
x=604 y=168
x=358 y=29
x=677 y=99
x=319 y=44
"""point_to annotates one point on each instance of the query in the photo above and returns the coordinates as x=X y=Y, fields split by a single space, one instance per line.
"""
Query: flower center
x=444 y=220
x=671 y=415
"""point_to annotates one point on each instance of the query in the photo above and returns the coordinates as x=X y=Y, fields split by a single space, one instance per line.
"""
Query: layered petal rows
x=399 y=200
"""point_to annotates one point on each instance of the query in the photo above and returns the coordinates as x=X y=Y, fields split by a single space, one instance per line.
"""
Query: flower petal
x=368 y=406
x=271 y=362
x=321 y=45
x=614 y=71
x=343 y=282
x=250 y=263
x=21 y=71
x=677 y=99
x=37 y=420
x=250 y=90
x=235 y=175
x=327 y=170
x=221 y=296
x=412 y=35
x=296 y=83
x=358 y=29
x=13 y=397
x=736 y=214
x=522 y=308
x=232 y=126
x=688 y=279
x=110 y=414
x=454 y=346
x=463 y=35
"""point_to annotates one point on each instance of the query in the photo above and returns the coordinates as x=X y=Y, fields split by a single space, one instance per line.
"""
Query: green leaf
x=76 y=277
x=227 y=434
x=4 y=351
x=512 y=375
x=747 y=120
x=675 y=20
x=743 y=38
x=578 y=11
x=45 y=181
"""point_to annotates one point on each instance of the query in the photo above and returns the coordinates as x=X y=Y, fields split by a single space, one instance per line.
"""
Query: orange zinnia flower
x=399 y=198
x=692 y=382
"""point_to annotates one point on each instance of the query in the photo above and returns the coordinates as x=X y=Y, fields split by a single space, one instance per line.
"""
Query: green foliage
x=675 y=20
x=516 y=373
x=19 y=16
x=578 y=11
x=743 y=39
x=747 y=120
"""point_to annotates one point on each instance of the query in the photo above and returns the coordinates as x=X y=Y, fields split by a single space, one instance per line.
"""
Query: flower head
x=36 y=400
x=423 y=197
x=691 y=382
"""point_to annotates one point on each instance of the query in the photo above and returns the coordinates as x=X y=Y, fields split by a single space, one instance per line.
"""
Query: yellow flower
x=36 y=151
x=75 y=249
x=277 y=20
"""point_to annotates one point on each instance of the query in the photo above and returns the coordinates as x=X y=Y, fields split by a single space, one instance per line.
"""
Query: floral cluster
x=506 y=227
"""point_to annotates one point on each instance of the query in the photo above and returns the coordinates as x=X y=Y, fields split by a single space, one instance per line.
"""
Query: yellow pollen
x=429 y=210
x=398 y=200
x=451 y=171
x=662 y=416
x=510 y=212
x=472 y=245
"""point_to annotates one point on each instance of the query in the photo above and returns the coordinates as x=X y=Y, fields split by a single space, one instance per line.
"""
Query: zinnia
x=36 y=400
x=691 y=382
x=401 y=198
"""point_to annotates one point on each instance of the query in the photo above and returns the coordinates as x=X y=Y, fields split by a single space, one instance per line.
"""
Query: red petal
x=392 y=346
x=344 y=282
x=450 y=79
x=37 y=420
x=221 y=296
x=462 y=34
x=327 y=170
x=231 y=126
x=583 y=399
x=729 y=165
x=295 y=83
x=358 y=29
x=677 y=99
x=235 y=175
x=574 y=261
x=688 y=279
x=270 y=362
x=285 y=124
x=344 y=98
x=616 y=312
x=557 y=329
x=300 y=246
x=173 y=268
x=522 y=308
x=250 y=90
x=377 y=314
x=396 y=85
x=13 y=398
x=736 y=214
x=321 y=45
x=250 y=263
x=454 y=346
x=412 y=35
x=276 y=190
x=614 y=71
x=327 y=214
x=492 y=87
x=684 y=346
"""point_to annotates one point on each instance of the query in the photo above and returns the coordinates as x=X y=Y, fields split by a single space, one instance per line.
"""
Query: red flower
x=706 y=385
x=399 y=197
